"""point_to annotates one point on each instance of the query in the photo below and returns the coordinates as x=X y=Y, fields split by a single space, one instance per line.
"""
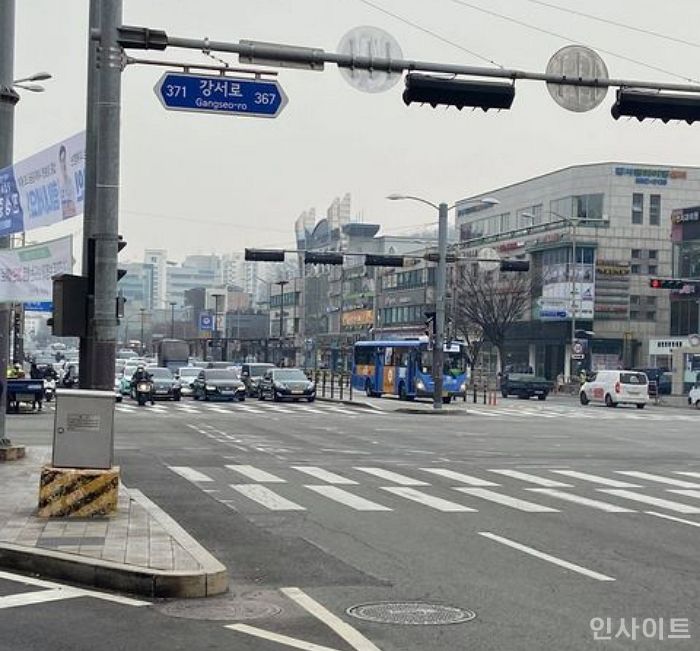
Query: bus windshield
x=454 y=364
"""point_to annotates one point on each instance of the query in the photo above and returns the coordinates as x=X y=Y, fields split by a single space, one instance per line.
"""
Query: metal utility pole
x=8 y=99
x=143 y=314
x=172 y=319
x=440 y=288
x=100 y=242
x=573 y=294
x=281 y=283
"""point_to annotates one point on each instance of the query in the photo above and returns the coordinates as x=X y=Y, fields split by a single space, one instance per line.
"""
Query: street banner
x=45 y=188
x=26 y=273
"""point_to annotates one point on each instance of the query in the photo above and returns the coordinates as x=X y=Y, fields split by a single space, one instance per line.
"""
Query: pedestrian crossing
x=286 y=488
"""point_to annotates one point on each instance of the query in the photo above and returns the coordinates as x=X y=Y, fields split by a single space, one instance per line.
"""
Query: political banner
x=45 y=188
x=26 y=273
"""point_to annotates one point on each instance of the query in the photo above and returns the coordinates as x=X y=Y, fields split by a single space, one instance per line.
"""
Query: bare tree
x=488 y=304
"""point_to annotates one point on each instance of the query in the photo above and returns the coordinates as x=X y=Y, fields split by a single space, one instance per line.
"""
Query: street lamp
x=172 y=319
x=217 y=333
x=143 y=314
x=441 y=281
x=281 y=284
x=34 y=88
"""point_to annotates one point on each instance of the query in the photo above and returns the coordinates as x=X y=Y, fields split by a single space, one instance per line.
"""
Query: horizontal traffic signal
x=264 y=255
x=427 y=89
x=666 y=283
x=642 y=104
x=323 y=257
x=515 y=265
x=435 y=257
x=373 y=260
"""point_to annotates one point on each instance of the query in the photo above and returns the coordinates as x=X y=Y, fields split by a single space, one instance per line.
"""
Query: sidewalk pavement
x=139 y=550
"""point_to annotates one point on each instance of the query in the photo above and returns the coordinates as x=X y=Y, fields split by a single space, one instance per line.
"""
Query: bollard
x=341 y=385
x=350 y=387
x=323 y=389
x=332 y=384
x=475 y=398
x=484 y=394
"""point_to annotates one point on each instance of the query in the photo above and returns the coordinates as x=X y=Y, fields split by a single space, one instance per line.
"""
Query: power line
x=573 y=40
x=425 y=30
x=608 y=21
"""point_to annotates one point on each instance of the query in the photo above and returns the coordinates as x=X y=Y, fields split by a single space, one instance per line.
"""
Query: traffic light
x=435 y=257
x=515 y=265
x=323 y=257
x=642 y=104
x=428 y=89
x=264 y=255
x=373 y=260
x=70 y=300
x=120 y=245
x=667 y=283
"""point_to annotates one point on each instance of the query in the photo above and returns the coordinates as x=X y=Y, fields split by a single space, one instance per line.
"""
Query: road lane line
x=38 y=597
x=460 y=477
x=546 y=557
x=190 y=474
x=532 y=479
x=685 y=491
x=654 y=501
x=596 y=479
x=325 y=475
x=260 y=476
x=267 y=498
x=673 y=517
x=428 y=500
x=506 y=500
x=348 y=499
x=395 y=477
x=292 y=642
x=352 y=636
x=659 y=478
x=585 y=501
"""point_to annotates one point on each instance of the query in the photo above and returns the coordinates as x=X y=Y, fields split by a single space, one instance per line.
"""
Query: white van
x=614 y=388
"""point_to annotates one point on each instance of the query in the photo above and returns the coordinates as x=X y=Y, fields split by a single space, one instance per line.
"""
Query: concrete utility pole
x=8 y=99
x=102 y=210
x=440 y=287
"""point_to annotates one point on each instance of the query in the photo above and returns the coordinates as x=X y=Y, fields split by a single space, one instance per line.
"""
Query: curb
x=352 y=403
x=430 y=412
x=211 y=579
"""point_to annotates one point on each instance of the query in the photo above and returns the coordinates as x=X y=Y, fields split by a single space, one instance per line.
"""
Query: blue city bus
x=404 y=368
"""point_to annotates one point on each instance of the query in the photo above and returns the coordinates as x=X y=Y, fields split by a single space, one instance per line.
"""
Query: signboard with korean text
x=26 y=273
x=45 y=188
x=612 y=282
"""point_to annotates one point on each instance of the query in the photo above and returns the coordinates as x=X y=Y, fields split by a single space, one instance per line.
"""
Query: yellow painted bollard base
x=77 y=492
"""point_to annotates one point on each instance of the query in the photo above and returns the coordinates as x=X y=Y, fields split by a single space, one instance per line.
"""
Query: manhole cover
x=219 y=609
x=411 y=613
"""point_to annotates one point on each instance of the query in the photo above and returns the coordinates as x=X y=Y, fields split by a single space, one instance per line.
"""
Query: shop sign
x=685 y=215
x=649 y=176
x=665 y=346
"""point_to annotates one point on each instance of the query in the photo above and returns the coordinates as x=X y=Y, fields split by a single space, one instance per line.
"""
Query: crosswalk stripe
x=190 y=474
x=654 y=501
x=325 y=475
x=277 y=408
x=658 y=478
x=256 y=474
x=348 y=499
x=685 y=491
x=506 y=500
x=339 y=410
x=584 y=501
x=596 y=479
x=458 y=476
x=218 y=410
x=428 y=500
x=250 y=410
x=395 y=477
x=309 y=410
x=266 y=497
x=687 y=473
x=531 y=479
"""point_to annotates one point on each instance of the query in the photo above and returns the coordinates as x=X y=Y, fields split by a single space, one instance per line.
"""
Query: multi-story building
x=618 y=219
x=137 y=286
x=183 y=278
x=158 y=260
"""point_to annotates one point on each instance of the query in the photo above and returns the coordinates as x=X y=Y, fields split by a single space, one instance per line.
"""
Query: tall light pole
x=172 y=319
x=281 y=284
x=440 y=287
x=143 y=314
x=217 y=331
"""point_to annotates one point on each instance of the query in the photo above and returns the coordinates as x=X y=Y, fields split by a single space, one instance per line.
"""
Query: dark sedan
x=218 y=384
x=165 y=386
x=286 y=384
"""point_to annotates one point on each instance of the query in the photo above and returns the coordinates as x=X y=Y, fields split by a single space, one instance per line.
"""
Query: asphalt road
x=538 y=517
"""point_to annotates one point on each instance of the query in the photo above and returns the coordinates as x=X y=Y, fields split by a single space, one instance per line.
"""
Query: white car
x=694 y=397
x=614 y=388
x=187 y=376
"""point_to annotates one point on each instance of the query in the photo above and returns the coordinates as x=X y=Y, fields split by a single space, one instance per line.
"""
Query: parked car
x=614 y=388
x=251 y=374
x=286 y=384
x=187 y=375
x=218 y=384
x=165 y=385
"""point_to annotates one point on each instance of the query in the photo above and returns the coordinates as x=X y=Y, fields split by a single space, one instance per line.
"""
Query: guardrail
x=330 y=384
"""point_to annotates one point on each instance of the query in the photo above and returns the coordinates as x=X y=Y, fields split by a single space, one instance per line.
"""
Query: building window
x=636 y=253
x=634 y=315
x=637 y=208
x=651 y=316
x=588 y=206
x=651 y=301
x=634 y=300
x=653 y=269
x=634 y=269
x=653 y=254
x=654 y=209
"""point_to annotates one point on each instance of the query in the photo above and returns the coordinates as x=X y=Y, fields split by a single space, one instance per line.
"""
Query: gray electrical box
x=83 y=433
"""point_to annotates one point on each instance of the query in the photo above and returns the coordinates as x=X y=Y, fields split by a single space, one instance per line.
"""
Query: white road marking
x=395 y=477
x=428 y=500
x=532 y=479
x=257 y=475
x=658 y=478
x=585 y=501
x=292 y=642
x=685 y=491
x=352 y=636
x=546 y=557
x=460 y=477
x=190 y=474
x=38 y=597
x=218 y=410
x=687 y=473
x=325 y=475
x=673 y=517
x=506 y=500
x=310 y=410
x=340 y=410
x=596 y=479
x=267 y=498
x=348 y=499
x=249 y=409
x=654 y=501
x=277 y=408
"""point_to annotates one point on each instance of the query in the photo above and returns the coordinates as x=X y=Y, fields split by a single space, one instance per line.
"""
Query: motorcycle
x=49 y=389
x=143 y=392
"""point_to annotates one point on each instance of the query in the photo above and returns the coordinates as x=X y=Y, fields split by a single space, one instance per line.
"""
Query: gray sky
x=203 y=183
